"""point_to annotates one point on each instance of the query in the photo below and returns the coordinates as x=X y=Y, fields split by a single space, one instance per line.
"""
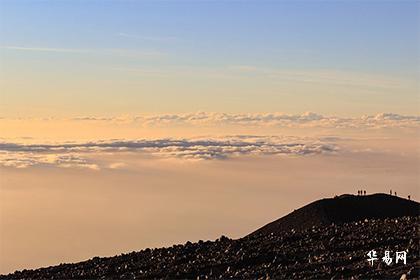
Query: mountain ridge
x=342 y=209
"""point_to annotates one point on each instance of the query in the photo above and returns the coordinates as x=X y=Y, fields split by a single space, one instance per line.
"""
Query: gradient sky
x=61 y=58
x=134 y=124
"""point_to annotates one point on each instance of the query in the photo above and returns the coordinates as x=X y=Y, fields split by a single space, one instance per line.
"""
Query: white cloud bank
x=309 y=119
x=87 y=154
x=81 y=154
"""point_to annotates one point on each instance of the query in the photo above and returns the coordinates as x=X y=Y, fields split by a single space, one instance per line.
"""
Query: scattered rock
x=293 y=255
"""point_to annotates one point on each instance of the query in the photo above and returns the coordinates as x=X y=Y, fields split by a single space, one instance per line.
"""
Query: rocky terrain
x=331 y=251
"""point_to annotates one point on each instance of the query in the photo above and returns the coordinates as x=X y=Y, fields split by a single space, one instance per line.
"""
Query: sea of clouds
x=82 y=154
x=308 y=119
x=76 y=154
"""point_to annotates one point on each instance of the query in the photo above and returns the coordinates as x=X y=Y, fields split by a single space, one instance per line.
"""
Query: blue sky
x=367 y=37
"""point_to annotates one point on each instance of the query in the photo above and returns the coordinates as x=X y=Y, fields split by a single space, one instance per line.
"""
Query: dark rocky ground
x=344 y=209
x=326 y=239
x=329 y=252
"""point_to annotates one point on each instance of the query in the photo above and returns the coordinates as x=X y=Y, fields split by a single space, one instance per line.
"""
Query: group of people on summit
x=363 y=192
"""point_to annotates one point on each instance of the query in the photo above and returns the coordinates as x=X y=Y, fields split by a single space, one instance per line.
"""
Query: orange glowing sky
x=133 y=124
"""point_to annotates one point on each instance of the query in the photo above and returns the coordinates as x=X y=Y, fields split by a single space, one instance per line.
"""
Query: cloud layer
x=27 y=159
x=309 y=119
x=82 y=154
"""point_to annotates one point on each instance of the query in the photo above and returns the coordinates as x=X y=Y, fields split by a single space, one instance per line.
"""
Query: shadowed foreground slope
x=322 y=252
x=343 y=209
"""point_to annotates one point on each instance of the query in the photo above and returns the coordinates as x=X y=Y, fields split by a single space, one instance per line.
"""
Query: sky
x=116 y=57
x=134 y=124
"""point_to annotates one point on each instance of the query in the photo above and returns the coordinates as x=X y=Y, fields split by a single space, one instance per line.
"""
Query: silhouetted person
x=390 y=192
x=409 y=197
x=358 y=192
x=364 y=192
x=395 y=193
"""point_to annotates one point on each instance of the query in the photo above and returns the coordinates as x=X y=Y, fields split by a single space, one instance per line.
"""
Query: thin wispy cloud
x=114 y=52
x=331 y=77
x=148 y=38
x=142 y=72
x=43 y=49
x=322 y=77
